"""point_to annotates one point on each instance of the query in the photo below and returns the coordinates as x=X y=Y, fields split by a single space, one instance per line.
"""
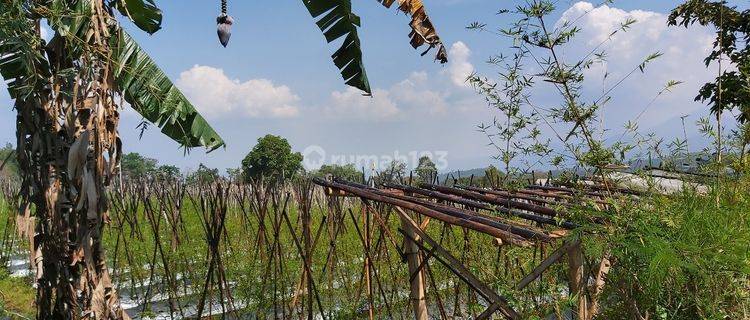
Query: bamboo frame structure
x=530 y=217
x=330 y=248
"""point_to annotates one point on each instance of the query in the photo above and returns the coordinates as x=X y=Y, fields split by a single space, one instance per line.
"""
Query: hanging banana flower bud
x=224 y=28
x=224 y=25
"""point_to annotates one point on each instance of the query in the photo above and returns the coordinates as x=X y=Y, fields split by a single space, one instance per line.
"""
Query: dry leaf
x=77 y=155
x=423 y=32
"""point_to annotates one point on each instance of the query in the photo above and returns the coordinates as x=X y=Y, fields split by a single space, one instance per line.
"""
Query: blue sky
x=276 y=77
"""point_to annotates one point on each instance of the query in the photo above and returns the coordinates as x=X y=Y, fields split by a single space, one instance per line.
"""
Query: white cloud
x=216 y=95
x=683 y=52
x=650 y=32
x=409 y=99
x=459 y=67
x=419 y=94
x=352 y=104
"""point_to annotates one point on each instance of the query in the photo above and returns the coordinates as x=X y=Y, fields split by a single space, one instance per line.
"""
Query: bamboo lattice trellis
x=527 y=217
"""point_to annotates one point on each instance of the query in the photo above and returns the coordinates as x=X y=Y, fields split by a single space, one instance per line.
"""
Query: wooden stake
x=448 y=260
x=604 y=266
x=546 y=263
x=576 y=279
x=413 y=260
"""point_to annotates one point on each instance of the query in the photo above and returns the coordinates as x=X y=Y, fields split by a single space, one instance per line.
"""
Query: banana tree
x=68 y=93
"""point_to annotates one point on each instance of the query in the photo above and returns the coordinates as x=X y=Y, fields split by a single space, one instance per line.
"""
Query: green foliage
x=169 y=172
x=144 y=13
x=426 y=169
x=150 y=92
x=688 y=260
x=492 y=174
x=391 y=173
x=515 y=135
x=203 y=175
x=136 y=166
x=272 y=158
x=23 y=65
x=741 y=140
x=730 y=90
x=17 y=297
x=8 y=158
x=234 y=174
x=336 y=20
x=347 y=172
x=685 y=256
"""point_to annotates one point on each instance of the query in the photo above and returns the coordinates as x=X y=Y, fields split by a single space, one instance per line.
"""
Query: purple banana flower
x=224 y=28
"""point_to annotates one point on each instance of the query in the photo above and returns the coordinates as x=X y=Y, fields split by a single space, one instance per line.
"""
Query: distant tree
x=493 y=175
x=347 y=172
x=169 y=172
x=272 y=158
x=741 y=141
x=8 y=161
x=730 y=90
x=392 y=172
x=426 y=169
x=203 y=175
x=234 y=174
x=136 y=166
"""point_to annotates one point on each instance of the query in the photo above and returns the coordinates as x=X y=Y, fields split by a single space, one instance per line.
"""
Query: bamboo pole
x=516 y=233
x=511 y=195
x=415 y=207
x=497 y=302
x=510 y=227
x=367 y=262
x=604 y=266
x=576 y=279
x=482 y=206
x=494 y=199
x=411 y=251
x=546 y=263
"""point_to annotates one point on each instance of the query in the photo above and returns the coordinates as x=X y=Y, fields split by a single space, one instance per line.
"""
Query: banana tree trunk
x=68 y=148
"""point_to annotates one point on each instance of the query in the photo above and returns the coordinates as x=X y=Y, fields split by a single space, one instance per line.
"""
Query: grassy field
x=265 y=273
x=683 y=257
x=679 y=257
x=16 y=297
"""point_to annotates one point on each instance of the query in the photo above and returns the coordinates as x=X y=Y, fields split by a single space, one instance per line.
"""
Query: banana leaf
x=144 y=14
x=22 y=64
x=150 y=92
x=336 y=19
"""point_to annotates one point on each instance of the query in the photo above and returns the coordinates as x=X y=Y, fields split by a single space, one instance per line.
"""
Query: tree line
x=272 y=160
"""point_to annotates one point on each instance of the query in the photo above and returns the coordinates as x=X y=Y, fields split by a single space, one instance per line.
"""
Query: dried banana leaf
x=423 y=31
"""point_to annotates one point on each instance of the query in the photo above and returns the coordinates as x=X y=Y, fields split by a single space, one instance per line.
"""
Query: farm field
x=161 y=256
x=329 y=159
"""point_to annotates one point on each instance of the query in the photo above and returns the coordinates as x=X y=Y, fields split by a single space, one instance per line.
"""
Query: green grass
x=252 y=270
x=679 y=257
x=682 y=257
x=16 y=297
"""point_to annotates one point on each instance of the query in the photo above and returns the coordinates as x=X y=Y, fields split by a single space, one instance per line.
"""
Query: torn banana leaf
x=423 y=32
x=23 y=66
x=150 y=92
x=336 y=19
x=144 y=14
